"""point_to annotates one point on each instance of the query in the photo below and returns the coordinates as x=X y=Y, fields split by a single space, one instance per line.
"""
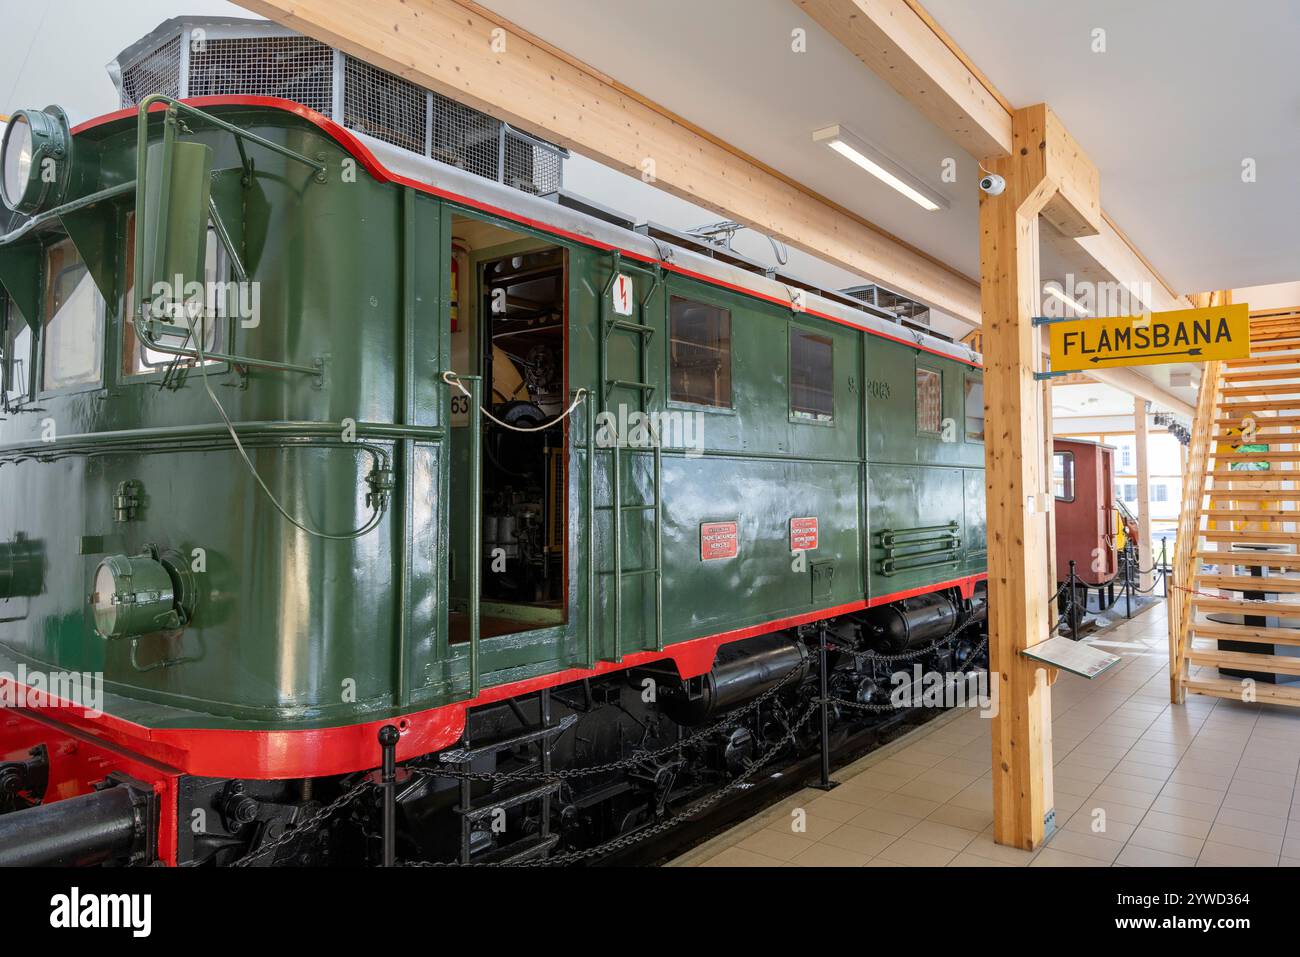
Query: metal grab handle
x=589 y=413
x=892 y=566
x=476 y=524
x=926 y=546
x=890 y=537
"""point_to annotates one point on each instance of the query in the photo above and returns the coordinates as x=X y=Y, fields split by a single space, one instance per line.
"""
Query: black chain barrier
x=636 y=837
x=308 y=826
x=319 y=817
x=631 y=761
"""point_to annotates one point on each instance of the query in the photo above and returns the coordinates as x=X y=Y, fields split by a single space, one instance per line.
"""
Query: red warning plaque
x=717 y=540
x=803 y=534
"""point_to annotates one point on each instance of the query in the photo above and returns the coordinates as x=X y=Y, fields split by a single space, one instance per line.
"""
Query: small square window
x=1063 y=476
x=974 y=409
x=812 y=379
x=73 y=333
x=929 y=401
x=700 y=354
x=17 y=356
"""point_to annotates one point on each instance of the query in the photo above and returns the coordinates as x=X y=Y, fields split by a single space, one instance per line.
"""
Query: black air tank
x=909 y=623
x=742 y=672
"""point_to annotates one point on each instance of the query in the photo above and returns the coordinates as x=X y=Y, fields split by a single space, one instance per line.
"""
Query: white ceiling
x=55 y=50
x=1185 y=91
x=1090 y=399
x=728 y=66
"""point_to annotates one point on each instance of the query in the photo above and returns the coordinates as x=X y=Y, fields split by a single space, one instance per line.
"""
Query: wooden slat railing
x=1187 y=543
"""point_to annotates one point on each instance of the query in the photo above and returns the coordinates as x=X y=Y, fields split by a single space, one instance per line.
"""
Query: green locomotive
x=385 y=445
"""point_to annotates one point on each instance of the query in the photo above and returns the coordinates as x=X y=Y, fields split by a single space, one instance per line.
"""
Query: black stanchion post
x=388 y=738
x=1164 y=568
x=1074 y=612
x=825 y=784
x=1128 y=580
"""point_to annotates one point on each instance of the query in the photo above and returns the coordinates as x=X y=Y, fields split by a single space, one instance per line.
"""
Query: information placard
x=803 y=534
x=718 y=540
x=1072 y=656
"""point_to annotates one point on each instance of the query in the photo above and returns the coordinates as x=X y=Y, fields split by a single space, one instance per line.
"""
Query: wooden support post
x=1141 y=441
x=1046 y=175
x=1048 y=456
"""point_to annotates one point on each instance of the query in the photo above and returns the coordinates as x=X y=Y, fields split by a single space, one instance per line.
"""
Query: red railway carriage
x=1083 y=479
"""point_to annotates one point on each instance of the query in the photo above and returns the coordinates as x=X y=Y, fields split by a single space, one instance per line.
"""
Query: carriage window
x=1063 y=476
x=974 y=409
x=812 y=392
x=73 y=333
x=929 y=401
x=137 y=359
x=701 y=354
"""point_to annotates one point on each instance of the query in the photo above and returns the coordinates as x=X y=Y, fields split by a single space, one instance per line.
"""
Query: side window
x=700 y=354
x=138 y=359
x=929 y=401
x=974 y=409
x=812 y=376
x=17 y=356
x=72 y=327
x=1063 y=476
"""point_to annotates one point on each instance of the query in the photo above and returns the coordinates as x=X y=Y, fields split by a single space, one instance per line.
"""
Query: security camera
x=993 y=184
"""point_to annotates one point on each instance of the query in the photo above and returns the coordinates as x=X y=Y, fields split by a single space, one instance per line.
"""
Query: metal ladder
x=643 y=333
x=504 y=796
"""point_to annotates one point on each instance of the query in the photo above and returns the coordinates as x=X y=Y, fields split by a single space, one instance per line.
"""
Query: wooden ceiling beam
x=447 y=46
x=894 y=40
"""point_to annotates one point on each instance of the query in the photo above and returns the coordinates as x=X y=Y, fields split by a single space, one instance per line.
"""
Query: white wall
x=56 y=50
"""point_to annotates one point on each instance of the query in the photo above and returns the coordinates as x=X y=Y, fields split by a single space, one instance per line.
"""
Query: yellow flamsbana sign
x=1182 y=335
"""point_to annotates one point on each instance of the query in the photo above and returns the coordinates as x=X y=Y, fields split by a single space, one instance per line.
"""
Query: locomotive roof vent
x=908 y=309
x=909 y=312
x=190 y=56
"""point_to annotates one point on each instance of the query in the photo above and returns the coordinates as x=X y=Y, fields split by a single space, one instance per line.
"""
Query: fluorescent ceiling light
x=861 y=153
x=1074 y=304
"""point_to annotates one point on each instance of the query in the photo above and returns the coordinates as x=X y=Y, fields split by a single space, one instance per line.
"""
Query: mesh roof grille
x=248 y=57
x=891 y=301
x=384 y=105
x=529 y=166
x=295 y=68
x=465 y=137
x=154 y=71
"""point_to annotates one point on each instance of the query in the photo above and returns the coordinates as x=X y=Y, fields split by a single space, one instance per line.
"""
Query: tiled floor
x=1137 y=781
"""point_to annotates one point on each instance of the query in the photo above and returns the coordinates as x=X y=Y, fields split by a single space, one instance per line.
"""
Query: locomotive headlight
x=18 y=158
x=37 y=160
x=140 y=595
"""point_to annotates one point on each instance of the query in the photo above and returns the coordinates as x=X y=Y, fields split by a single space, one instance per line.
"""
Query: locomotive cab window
x=700 y=353
x=72 y=336
x=221 y=301
x=17 y=357
x=929 y=401
x=1063 y=476
x=812 y=380
x=974 y=409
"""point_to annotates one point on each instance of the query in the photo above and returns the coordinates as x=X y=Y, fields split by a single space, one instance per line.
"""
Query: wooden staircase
x=1234 y=602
